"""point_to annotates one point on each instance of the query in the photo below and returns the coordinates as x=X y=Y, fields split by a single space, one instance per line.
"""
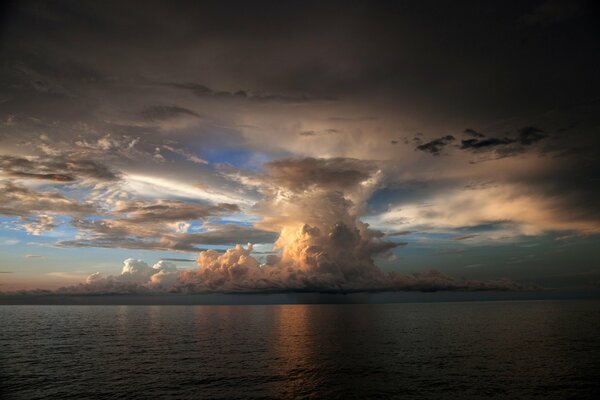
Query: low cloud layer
x=237 y=271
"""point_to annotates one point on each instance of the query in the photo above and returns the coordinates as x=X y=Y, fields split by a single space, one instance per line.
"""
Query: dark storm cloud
x=505 y=146
x=573 y=183
x=30 y=74
x=437 y=145
x=485 y=143
x=388 y=48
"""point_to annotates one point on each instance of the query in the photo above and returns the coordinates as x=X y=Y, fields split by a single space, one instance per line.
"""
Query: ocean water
x=494 y=349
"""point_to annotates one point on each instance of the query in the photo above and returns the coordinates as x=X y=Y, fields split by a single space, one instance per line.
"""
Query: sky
x=299 y=146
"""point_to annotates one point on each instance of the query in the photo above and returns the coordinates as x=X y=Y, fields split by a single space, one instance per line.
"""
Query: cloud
x=307 y=173
x=22 y=202
x=56 y=169
x=114 y=241
x=34 y=256
x=156 y=226
x=513 y=208
x=120 y=234
x=243 y=95
x=169 y=210
x=223 y=234
x=321 y=246
x=473 y=133
x=530 y=134
x=431 y=281
x=41 y=223
x=476 y=144
x=136 y=277
x=399 y=233
x=185 y=154
x=505 y=146
x=237 y=271
x=160 y=224
x=98 y=145
x=67 y=100
x=437 y=145
x=465 y=237
x=151 y=186
x=314 y=204
x=524 y=140
x=159 y=113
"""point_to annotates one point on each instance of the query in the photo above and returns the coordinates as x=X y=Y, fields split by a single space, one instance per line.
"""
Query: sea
x=438 y=350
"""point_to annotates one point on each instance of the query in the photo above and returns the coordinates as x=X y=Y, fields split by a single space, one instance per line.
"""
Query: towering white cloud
x=136 y=276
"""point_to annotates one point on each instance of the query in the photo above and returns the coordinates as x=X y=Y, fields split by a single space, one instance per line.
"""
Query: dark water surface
x=513 y=349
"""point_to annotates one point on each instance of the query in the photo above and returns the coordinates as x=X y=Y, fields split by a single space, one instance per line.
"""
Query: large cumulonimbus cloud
x=315 y=205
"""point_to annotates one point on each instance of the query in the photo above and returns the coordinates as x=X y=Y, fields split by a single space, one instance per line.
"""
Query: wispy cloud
x=34 y=256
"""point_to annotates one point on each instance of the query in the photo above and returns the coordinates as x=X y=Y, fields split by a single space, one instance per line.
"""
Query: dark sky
x=465 y=133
